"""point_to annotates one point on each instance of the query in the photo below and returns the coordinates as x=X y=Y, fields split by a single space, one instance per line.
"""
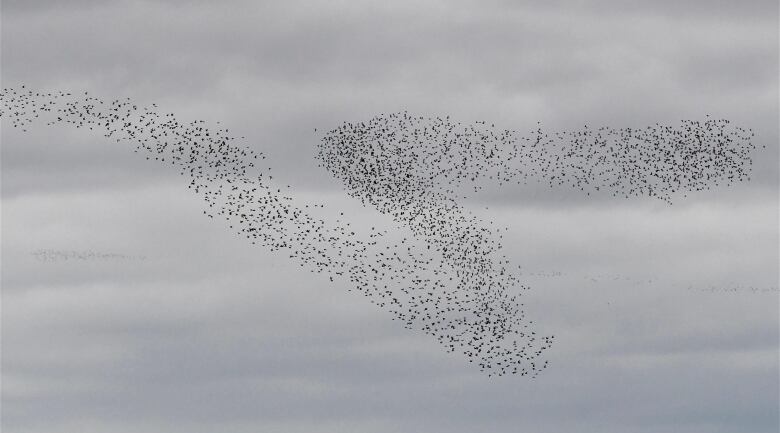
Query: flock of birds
x=400 y=157
x=49 y=255
x=449 y=279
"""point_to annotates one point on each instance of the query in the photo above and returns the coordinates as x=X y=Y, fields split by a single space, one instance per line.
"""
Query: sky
x=125 y=309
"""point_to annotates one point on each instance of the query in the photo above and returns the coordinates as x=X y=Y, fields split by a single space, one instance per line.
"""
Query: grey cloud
x=219 y=340
x=211 y=334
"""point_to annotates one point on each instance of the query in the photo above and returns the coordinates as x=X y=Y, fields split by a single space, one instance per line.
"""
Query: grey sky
x=211 y=334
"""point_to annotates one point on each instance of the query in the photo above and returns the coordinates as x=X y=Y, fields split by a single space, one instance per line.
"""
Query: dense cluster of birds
x=449 y=280
x=416 y=169
x=400 y=158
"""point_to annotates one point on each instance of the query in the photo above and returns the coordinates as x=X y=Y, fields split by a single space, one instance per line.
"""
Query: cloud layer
x=209 y=334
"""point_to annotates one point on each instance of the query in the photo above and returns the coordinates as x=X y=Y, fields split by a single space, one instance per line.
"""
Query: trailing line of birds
x=449 y=280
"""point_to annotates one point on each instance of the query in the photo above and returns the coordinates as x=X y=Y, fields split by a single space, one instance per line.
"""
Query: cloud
x=209 y=333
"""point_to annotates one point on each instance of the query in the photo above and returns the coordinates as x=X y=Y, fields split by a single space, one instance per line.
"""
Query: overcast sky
x=666 y=317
